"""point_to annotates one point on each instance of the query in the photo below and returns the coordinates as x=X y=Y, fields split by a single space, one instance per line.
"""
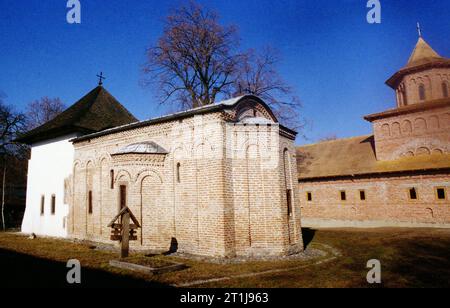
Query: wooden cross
x=124 y=231
x=101 y=78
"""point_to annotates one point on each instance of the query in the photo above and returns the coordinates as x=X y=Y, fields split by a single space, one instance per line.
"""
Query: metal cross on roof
x=419 y=30
x=100 y=79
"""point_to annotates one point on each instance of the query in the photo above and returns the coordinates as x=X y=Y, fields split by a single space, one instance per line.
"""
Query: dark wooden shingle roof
x=96 y=111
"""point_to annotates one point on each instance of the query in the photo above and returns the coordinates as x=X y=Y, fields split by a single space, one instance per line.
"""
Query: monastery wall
x=387 y=202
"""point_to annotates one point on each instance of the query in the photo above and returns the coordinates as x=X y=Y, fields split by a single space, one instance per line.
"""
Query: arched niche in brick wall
x=446 y=120
x=385 y=130
x=445 y=89
x=433 y=122
x=253 y=106
x=408 y=154
x=395 y=131
x=406 y=127
x=420 y=125
x=423 y=151
x=151 y=204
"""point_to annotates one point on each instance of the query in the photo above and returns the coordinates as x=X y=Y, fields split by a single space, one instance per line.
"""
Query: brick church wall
x=220 y=190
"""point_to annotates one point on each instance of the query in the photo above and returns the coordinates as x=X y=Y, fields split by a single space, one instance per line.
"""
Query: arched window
x=111 y=178
x=445 y=89
x=287 y=181
x=422 y=95
x=90 y=206
x=178 y=173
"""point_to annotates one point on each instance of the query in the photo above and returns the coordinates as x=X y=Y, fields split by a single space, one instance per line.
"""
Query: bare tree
x=43 y=110
x=258 y=75
x=195 y=58
x=12 y=124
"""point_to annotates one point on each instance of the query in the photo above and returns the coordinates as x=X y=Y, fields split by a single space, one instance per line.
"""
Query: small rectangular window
x=343 y=195
x=441 y=193
x=53 y=208
x=42 y=204
x=309 y=196
x=413 y=193
x=362 y=195
x=90 y=202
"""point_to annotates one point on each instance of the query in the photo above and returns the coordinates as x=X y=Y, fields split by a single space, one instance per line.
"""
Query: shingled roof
x=422 y=57
x=356 y=156
x=422 y=53
x=96 y=111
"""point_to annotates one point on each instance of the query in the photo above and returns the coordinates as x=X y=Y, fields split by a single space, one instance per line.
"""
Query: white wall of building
x=50 y=164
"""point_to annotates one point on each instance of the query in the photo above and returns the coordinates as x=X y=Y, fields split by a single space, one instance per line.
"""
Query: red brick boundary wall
x=387 y=201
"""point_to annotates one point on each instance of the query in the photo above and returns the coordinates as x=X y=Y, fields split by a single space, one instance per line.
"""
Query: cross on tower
x=419 y=30
x=100 y=79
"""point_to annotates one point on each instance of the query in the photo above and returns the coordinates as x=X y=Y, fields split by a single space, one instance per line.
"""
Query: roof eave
x=364 y=174
x=51 y=134
x=172 y=117
x=178 y=116
x=408 y=109
x=138 y=153
x=395 y=79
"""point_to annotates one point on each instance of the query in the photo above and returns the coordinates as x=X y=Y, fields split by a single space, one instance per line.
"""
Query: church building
x=397 y=176
x=218 y=180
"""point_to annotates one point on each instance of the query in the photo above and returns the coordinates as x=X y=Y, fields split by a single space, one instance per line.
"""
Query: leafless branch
x=194 y=58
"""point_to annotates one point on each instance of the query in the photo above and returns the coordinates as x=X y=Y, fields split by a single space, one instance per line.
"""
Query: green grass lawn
x=409 y=258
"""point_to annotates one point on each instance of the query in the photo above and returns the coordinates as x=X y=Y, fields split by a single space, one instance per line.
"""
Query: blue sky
x=334 y=59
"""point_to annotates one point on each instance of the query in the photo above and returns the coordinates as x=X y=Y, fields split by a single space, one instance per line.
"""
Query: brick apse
x=220 y=180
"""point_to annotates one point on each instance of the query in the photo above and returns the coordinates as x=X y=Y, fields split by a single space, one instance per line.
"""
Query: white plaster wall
x=51 y=162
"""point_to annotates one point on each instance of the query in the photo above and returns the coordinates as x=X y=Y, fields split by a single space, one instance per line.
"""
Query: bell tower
x=420 y=123
x=425 y=77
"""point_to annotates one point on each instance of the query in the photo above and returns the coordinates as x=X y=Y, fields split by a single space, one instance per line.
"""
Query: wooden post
x=125 y=234
x=123 y=230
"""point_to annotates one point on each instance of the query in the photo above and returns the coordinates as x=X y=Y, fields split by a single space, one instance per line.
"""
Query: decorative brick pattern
x=220 y=191
x=418 y=133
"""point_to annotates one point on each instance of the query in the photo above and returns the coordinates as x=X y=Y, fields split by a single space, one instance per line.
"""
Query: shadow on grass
x=423 y=263
x=20 y=270
x=308 y=236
